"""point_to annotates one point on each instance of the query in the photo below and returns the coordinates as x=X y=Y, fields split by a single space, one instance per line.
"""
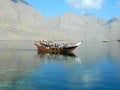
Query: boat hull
x=56 y=50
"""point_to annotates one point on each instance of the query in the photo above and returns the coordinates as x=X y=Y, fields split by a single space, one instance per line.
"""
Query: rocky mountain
x=19 y=21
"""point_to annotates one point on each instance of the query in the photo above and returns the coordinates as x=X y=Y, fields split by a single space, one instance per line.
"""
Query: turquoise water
x=93 y=66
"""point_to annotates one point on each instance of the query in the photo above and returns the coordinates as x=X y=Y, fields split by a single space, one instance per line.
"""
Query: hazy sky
x=99 y=8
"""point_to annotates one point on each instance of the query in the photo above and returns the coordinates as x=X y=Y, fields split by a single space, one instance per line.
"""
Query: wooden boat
x=55 y=46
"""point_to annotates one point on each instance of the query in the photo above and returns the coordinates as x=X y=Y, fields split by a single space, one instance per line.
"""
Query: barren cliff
x=19 y=21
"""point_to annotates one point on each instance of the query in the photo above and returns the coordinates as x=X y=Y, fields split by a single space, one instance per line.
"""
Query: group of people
x=55 y=44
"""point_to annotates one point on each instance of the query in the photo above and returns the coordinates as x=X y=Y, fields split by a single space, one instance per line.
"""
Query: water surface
x=91 y=67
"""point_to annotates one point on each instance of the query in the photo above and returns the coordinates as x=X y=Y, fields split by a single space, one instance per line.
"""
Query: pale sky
x=99 y=8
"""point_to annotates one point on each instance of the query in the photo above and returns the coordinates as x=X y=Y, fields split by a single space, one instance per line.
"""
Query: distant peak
x=23 y=1
x=88 y=14
x=113 y=20
x=69 y=13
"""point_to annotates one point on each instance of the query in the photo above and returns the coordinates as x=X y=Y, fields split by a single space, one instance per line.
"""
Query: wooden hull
x=56 y=50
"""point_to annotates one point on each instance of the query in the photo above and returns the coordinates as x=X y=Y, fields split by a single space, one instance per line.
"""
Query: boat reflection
x=61 y=57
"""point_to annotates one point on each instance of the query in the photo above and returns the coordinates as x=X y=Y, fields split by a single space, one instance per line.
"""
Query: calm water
x=92 y=67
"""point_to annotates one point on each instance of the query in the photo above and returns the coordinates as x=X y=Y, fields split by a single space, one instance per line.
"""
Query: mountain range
x=20 y=21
